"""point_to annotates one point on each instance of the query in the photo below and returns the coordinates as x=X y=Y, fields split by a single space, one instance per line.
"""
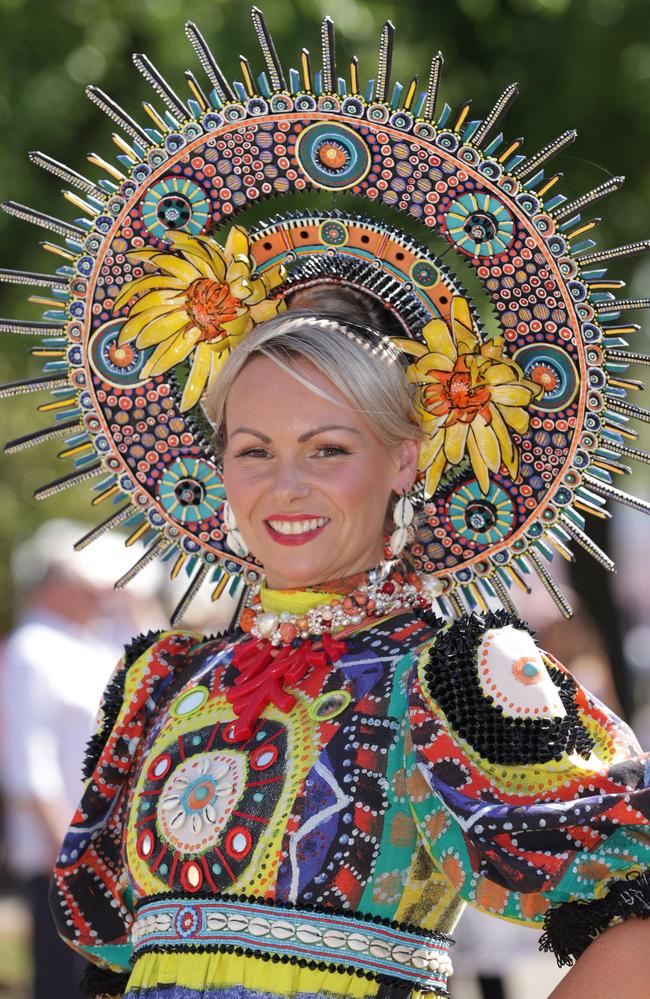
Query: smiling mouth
x=296 y=527
x=295 y=532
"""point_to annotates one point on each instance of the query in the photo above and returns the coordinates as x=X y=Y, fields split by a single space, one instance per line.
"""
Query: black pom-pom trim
x=570 y=928
x=452 y=679
x=97 y=982
x=112 y=700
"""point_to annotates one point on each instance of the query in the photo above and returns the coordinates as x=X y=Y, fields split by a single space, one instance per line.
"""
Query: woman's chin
x=286 y=575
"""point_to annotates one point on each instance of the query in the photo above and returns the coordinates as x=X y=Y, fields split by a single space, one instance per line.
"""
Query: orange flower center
x=209 y=304
x=457 y=397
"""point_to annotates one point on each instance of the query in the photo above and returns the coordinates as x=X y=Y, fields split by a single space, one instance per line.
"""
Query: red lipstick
x=293 y=539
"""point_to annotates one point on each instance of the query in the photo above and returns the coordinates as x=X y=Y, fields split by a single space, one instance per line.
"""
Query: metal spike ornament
x=526 y=417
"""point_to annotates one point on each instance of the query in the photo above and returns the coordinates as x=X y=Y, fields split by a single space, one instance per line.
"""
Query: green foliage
x=579 y=62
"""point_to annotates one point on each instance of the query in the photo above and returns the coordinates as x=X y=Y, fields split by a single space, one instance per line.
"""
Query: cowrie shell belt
x=357 y=944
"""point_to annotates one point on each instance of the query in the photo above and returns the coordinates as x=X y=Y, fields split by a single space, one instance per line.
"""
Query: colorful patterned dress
x=332 y=851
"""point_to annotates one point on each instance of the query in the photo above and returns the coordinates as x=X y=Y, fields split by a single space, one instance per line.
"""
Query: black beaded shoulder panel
x=452 y=680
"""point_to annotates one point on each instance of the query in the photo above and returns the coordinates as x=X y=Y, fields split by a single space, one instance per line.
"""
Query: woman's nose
x=289 y=479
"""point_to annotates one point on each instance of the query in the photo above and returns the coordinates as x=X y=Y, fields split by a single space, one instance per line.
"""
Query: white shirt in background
x=52 y=675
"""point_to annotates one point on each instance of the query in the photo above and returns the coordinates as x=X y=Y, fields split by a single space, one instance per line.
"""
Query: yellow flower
x=470 y=394
x=202 y=301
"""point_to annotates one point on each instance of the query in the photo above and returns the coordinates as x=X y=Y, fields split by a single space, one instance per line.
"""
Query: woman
x=324 y=786
x=305 y=803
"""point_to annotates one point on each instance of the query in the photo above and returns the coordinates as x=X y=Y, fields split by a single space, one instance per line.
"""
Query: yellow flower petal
x=515 y=418
x=194 y=252
x=154 y=299
x=478 y=465
x=241 y=324
x=133 y=326
x=434 y=474
x=267 y=309
x=167 y=355
x=256 y=291
x=161 y=327
x=274 y=277
x=170 y=263
x=493 y=348
x=215 y=254
x=237 y=243
x=146 y=283
x=199 y=374
x=455 y=439
x=487 y=442
x=510 y=395
x=425 y=368
x=498 y=374
x=432 y=424
x=409 y=346
x=431 y=447
x=155 y=332
x=462 y=325
x=218 y=361
x=237 y=270
x=244 y=288
x=439 y=339
x=509 y=453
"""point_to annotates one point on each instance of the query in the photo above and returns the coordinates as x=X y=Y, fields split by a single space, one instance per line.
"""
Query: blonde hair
x=365 y=369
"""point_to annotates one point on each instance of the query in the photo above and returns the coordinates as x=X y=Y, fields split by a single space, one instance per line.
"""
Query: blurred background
x=579 y=63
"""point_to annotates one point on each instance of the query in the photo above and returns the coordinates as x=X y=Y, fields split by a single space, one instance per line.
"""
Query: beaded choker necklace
x=381 y=591
x=285 y=647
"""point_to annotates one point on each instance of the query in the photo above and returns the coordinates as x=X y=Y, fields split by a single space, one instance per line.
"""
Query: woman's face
x=308 y=480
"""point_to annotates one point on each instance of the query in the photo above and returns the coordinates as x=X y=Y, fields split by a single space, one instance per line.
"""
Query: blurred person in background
x=53 y=669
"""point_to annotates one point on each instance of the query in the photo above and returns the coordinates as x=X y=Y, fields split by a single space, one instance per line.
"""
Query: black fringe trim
x=97 y=982
x=452 y=680
x=570 y=928
x=398 y=988
x=112 y=701
x=362 y=917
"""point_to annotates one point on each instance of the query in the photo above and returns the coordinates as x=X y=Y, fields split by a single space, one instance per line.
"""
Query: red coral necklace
x=283 y=648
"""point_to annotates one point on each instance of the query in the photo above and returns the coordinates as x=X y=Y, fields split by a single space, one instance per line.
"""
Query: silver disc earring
x=403 y=514
x=234 y=540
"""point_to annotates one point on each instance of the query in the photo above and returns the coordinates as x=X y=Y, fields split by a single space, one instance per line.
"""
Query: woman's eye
x=251 y=451
x=334 y=449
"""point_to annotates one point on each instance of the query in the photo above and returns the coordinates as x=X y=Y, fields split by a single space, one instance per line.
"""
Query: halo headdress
x=169 y=267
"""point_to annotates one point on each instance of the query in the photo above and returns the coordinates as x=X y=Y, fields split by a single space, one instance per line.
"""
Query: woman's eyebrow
x=302 y=438
x=255 y=433
x=330 y=426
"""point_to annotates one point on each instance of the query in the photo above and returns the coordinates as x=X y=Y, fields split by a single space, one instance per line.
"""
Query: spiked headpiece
x=169 y=266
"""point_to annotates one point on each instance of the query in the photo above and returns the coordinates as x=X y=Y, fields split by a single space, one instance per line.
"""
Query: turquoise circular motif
x=424 y=273
x=119 y=365
x=333 y=233
x=551 y=367
x=480 y=225
x=483 y=520
x=190 y=490
x=332 y=156
x=175 y=203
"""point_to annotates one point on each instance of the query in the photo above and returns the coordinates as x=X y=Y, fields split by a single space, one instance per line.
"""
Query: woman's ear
x=408 y=453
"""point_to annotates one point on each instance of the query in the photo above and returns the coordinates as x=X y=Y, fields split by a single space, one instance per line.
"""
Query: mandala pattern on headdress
x=151 y=237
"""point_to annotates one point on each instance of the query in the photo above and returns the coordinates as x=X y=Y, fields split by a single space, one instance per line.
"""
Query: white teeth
x=297 y=526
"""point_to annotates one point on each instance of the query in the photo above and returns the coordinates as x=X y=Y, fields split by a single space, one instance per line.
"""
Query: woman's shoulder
x=499 y=692
x=150 y=662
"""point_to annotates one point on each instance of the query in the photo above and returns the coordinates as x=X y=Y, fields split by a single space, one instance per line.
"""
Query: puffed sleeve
x=534 y=796
x=89 y=893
